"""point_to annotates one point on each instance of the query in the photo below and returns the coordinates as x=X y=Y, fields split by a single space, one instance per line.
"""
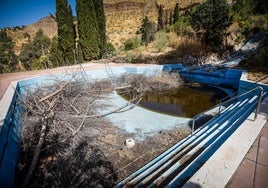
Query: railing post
x=193 y=124
x=219 y=108
x=259 y=103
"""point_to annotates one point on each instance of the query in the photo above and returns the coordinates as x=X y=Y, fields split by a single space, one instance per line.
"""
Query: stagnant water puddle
x=186 y=101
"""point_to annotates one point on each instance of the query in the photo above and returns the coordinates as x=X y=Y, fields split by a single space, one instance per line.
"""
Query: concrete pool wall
x=11 y=110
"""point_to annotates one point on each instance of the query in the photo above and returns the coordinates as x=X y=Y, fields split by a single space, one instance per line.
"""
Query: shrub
x=174 y=40
x=183 y=27
x=110 y=50
x=131 y=44
x=161 y=41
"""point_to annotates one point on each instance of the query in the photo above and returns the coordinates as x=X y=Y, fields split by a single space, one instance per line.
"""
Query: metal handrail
x=223 y=99
x=233 y=98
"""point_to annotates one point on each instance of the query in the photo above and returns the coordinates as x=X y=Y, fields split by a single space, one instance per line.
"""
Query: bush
x=174 y=40
x=110 y=50
x=161 y=41
x=183 y=27
x=135 y=58
x=131 y=44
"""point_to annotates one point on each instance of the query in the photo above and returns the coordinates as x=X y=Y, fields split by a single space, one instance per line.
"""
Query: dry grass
x=186 y=45
x=256 y=76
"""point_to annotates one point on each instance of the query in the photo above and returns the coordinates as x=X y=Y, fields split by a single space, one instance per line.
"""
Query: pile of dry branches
x=56 y=135
x=140 y=85
x=63 y=135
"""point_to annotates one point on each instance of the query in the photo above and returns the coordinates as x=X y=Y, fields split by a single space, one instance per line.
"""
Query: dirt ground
x=127 y=160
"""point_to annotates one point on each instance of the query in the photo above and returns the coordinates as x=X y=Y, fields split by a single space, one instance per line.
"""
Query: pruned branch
x=53 y=94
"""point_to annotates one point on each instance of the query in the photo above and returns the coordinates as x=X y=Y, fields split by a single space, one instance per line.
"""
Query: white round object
x=130 y=143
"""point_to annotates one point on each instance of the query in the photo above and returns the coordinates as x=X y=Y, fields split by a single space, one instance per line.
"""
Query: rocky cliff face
x=123 y=19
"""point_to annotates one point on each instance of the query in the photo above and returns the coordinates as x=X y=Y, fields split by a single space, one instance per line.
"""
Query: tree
x=101 y=20
x=160 y=18
x=147 y=31
x=66 y=34
x=176 y=13
x=212 y=17
x=55 y=56
x=183 y=27
x=35 y=54
x=88 y=29
x=8 y=59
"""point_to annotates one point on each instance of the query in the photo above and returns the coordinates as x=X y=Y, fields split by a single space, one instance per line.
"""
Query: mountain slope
x=123 y=20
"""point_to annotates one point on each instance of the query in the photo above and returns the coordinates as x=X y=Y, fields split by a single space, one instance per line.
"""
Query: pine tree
x=35 y=54
x=176 y=13
x=101 y=20
x=147 y=31
x=66 y=35
x=88 y=29
x=160 y=18
x=8 y=59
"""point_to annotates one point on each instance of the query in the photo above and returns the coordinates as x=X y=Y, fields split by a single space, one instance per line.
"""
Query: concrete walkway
x=253 y=170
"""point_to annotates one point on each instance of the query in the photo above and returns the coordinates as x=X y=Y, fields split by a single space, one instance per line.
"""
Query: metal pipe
x=235 y=97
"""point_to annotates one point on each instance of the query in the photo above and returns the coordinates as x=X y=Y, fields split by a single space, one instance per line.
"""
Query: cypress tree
x=176 y=13
x=88 y=29
x=102 y=25
x=66 y=35
x=160 y=18
x=147 y=31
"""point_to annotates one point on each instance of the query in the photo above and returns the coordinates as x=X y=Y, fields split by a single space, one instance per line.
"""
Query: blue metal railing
x=228 y=101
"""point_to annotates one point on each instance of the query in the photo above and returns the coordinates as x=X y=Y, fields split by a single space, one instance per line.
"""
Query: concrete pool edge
x=6 y=101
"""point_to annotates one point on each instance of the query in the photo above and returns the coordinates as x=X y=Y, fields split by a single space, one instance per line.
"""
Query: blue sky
x=25 y=12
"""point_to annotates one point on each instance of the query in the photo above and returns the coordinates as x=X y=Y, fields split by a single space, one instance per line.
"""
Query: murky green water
x=184 y=102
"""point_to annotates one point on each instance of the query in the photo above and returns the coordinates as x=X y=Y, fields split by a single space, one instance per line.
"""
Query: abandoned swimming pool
x=11 y=120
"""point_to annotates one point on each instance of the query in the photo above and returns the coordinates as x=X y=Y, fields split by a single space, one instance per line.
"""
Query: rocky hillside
x=21 y=35
x=124 y=18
